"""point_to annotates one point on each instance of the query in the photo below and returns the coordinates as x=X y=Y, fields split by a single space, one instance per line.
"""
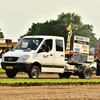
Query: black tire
x=87 y=74
x=64 y=75
x=34 y=72
x=61 y=75
x=81 y=76
x=11 y=74
x=67 y=74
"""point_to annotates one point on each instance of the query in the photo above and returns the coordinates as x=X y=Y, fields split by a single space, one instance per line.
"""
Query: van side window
x=59 y=45
x=46 y=46
x=49 y=43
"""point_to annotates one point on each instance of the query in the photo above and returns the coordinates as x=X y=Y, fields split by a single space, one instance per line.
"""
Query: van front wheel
x=34 y=72
x=11 y=74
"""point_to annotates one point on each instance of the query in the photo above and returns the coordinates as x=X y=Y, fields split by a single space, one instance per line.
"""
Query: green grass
x=47 y=80
x=2 y=70
x=44 y=80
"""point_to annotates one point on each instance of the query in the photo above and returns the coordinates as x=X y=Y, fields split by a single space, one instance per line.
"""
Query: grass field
x=2 y=70
x=47 y=80
x=44 y=80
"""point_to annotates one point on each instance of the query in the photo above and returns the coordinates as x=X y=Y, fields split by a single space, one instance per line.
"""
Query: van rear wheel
x=11 y=74
x=34 y=72
x=65 y=75
x=61 y=75
x=86 y=75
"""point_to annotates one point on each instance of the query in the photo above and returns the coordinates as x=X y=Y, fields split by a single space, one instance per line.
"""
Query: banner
x=81 y=44
x=92 y=50
x=69 y=37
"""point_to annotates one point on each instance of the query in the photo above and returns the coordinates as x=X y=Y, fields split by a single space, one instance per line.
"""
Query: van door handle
x=62 y=55
x=51 y=54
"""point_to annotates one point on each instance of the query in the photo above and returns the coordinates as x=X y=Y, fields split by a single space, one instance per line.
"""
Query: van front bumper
x=16 y=66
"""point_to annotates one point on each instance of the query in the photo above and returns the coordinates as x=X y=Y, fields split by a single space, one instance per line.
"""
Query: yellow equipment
x=67 y=51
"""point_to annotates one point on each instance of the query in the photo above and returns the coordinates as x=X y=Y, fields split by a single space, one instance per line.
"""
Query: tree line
x=58 y=28
x=1 y=34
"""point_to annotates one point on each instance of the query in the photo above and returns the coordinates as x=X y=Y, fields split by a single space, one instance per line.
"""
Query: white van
x=28 y=56
x=31 y=55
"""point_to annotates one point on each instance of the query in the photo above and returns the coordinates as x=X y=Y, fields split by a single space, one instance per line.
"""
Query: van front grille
x=10 y=59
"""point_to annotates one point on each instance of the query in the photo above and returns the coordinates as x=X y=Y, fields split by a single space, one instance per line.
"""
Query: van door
x=59 y=56
x=46 y=56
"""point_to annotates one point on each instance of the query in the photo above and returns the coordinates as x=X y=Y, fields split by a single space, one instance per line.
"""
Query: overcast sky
x=17 y=16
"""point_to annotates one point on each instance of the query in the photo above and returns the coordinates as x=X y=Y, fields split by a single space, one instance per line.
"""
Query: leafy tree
x=1 y=34
x=58 y=28
x=86 y=31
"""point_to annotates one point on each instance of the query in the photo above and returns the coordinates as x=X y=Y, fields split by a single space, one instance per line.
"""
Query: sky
x=17 y=16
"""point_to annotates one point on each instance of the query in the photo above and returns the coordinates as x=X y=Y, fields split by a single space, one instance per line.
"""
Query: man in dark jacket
x=45 y=47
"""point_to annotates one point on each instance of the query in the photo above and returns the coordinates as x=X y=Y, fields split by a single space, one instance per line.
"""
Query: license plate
x=9 y=67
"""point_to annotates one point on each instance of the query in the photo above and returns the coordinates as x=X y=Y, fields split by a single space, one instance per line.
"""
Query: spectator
x=95 y=56
x=3 y=51
x=92 y=54
x=71 y=51
x=71 y=58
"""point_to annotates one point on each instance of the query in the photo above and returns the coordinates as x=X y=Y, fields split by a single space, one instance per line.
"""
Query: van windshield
x=28 y=44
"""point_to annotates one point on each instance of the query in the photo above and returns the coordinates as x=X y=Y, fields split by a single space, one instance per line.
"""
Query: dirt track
x=50 y=93
x=42 y=75
x=59 y=92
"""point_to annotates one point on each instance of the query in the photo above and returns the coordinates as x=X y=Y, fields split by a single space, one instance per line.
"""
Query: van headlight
x=23 y=58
